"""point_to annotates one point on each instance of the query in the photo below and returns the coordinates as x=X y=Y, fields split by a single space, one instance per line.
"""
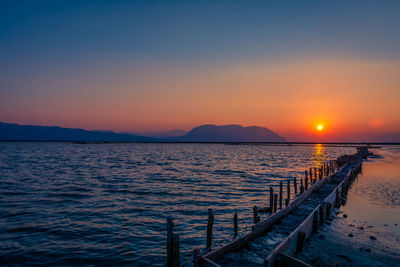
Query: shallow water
x=375 y=195
x=63 y=203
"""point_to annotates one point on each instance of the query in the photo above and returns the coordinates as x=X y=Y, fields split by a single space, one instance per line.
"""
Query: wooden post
x=301 y=186
x=287 y=202
x=170 y=240
x=295 y=186
x=176 y=251
x=315 y=173
x=256 y=218
x=196 y=257
x=337 y=200
x=288 y=190
x=311 y=174
x=322 y=209
x=275 y=201
x=301 y=238
x=271 y=198
x=315 y=221
x=306 y=174
x=328 y=209
x=209 y=227
x=306 y=184
x=280 y=194
x=235 y=224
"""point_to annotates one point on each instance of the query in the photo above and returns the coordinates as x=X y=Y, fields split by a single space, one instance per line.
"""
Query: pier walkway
x=273 y=240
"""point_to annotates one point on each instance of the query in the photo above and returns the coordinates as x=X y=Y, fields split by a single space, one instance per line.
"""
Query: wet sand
x=366 y=231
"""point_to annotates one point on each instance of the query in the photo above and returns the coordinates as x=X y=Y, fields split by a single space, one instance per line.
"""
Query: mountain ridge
x=18 y=132
x=231 y=133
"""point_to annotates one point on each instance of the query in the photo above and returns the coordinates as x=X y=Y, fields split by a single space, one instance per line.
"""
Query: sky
x=140 y=66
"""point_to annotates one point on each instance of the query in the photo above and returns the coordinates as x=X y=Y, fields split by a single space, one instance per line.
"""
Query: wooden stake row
x=274 y=200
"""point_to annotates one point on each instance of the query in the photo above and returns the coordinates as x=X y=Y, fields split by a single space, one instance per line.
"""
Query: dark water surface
x=63 y=203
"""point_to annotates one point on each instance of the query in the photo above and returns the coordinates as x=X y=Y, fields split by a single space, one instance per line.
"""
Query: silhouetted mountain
x=163 y=135
x=231 y=133
x=16 y=132
x=387 y=138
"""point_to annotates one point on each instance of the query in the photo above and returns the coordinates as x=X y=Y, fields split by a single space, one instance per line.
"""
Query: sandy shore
x=366 y=231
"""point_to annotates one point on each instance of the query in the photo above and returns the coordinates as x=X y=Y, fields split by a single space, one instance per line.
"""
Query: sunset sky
x=160 y=65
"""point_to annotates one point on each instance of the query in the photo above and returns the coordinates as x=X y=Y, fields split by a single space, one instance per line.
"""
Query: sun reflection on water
x=319 y=155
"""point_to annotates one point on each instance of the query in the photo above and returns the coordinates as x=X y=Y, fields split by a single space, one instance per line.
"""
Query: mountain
x=163 y=135
x=387 y=138
x=16 y=132
x=230 y=133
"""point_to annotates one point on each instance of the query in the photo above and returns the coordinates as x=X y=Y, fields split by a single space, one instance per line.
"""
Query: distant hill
x=16 y=132
x=387 y=138
x=163 y=135
x=231 y=133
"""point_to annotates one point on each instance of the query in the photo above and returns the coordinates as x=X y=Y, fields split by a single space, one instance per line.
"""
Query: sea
x=108 y=204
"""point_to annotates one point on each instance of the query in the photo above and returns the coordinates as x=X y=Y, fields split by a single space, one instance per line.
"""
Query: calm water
x=64 y=203
x=375 y=196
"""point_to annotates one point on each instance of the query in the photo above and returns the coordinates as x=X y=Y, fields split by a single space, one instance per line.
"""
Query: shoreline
x=361 y=233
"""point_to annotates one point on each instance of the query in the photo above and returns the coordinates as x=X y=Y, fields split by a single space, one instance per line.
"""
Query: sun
x=320 y=127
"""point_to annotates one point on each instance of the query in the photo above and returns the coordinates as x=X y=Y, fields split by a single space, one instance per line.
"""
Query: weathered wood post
x=280 y=194
x=315 y=221
x=288 y=190
x=170 y=232
x=271 y=198
x=315 y=173
x=196 y=257
x=209 y=227
x=320 y=173
x=235 y=224
x=256 y=218
x=301 y=186
x=173 y=253
x=295 y=186
x=311 y=175
x=287 y=201
x=337 y=200
x=328 y=209
x=176 y=250
x=306 y=183
x=275 y=201
x=322 y=209
x=301 y=238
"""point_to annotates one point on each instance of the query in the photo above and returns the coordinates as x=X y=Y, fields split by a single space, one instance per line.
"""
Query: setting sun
x=320 y=127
